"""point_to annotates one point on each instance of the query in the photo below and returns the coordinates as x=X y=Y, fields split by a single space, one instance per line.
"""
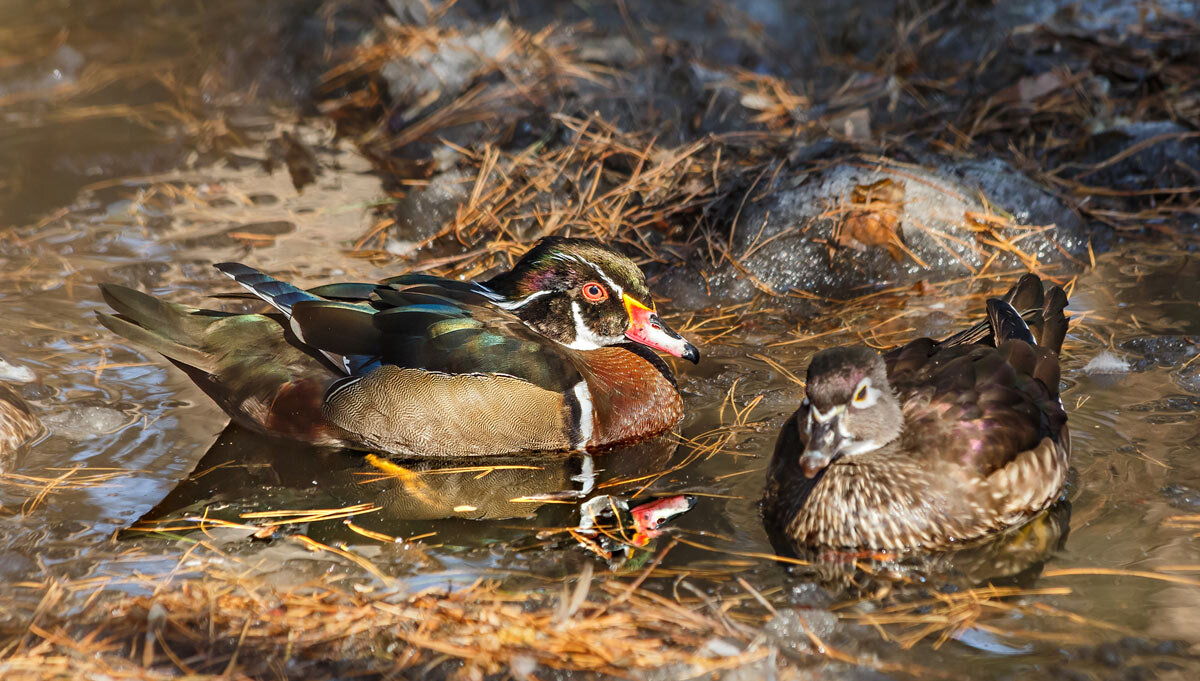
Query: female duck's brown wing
x=978 y=407
x=984 y=406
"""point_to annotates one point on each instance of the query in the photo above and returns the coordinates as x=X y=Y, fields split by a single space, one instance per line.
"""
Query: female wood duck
x=18 y=425
x=552 y=355
x=932 y=444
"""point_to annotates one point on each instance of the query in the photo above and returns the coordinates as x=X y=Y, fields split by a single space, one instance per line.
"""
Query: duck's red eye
x=594 y=292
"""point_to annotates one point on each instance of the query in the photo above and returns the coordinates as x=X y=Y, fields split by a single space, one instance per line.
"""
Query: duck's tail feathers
x=168 y=328
x=1026 y=294
x=1007 y=323
x=1054 y=320
x=1039 y=312
x=281 y=295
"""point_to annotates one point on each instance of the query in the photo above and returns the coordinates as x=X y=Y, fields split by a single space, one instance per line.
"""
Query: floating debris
x=1107 y=363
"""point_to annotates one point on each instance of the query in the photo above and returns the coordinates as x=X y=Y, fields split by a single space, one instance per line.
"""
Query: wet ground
x=1107 y=586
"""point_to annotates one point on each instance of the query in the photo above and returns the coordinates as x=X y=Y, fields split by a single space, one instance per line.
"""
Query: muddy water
x=1132 y=389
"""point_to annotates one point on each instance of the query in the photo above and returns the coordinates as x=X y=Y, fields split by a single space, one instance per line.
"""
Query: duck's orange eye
x=861 y=395
x=594 y=292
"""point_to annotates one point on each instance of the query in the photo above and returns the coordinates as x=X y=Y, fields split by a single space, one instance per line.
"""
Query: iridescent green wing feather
x=424 y=322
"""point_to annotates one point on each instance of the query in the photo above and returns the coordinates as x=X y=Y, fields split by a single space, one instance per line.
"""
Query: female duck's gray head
x=851 y=407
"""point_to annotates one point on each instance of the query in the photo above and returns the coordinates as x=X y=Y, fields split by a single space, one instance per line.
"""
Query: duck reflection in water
x=248 y=473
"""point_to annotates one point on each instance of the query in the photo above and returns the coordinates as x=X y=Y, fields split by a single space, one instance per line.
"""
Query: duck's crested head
x=585 y=295
x=850 y=409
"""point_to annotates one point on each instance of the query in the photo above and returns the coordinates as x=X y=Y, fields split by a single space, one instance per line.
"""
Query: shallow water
x=111 y=406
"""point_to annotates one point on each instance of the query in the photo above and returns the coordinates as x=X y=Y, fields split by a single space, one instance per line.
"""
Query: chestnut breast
x=633 y=397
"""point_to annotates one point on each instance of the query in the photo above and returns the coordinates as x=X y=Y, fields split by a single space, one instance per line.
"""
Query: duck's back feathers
x=987 y=402
x=977 y=406
x=414 y=322
x=1007 y=323
x=458 y=330
x=1053 y=329
x=1025 y=297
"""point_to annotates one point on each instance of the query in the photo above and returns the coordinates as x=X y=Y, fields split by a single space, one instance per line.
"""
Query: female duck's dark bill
x=824 y=440
x=646 y=328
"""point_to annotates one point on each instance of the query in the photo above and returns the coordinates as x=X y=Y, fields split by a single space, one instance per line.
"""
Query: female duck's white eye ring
x=863 y=394
x=593 y=292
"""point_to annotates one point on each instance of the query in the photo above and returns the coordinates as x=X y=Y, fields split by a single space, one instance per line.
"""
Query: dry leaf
x=875 y=219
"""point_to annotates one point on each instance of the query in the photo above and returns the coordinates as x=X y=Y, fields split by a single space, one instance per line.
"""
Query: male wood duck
x=18 y=425
x=556 y=354
x=934 y=443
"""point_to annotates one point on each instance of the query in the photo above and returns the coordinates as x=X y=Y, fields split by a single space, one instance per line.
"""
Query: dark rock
x=1172 y=161
x=1188 y=378
x=1170 y=647
x=445 y=70
x=1171 y=403
x=1028 y=202
x=421 y=213
x=809 y=235
x=1136 y=645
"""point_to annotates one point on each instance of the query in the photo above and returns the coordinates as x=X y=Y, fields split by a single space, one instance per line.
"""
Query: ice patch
x=82 y=423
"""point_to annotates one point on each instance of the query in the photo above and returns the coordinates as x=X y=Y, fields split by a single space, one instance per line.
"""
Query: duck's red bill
x=646 y=328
